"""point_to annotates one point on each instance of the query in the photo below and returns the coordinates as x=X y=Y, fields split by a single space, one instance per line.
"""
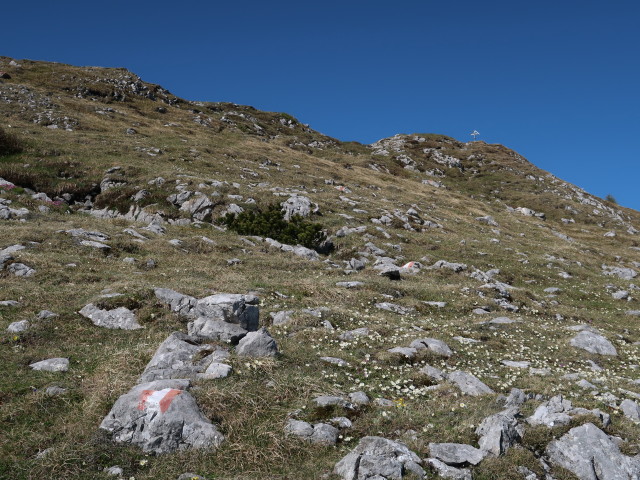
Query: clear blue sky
x=558 y=81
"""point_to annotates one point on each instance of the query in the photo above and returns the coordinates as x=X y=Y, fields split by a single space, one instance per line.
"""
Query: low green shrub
x=270 y=223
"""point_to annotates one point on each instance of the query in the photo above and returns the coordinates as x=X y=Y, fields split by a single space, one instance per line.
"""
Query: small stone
x=257 y=344
x=51 y=365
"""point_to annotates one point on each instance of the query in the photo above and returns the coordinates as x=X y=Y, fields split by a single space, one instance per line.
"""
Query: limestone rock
x=160 y=417
x=257 y=344
x=456 y=454
x=451 y=473
x=180 y=356
x=121 y=317
x=51 y=365
x=593 y=343
x=213 y=329
x=320 y=433
x=499 y=432
x=379 y=458
x=630 y=409
x=432 y=344
x=591 y=454
x=179 y=303
x=239 y=309
x=468 y=383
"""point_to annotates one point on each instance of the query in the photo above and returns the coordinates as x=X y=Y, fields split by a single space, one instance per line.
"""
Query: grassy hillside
x=92 y=139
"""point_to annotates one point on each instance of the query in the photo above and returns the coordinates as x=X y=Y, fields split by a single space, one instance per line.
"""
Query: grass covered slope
x=93 y=139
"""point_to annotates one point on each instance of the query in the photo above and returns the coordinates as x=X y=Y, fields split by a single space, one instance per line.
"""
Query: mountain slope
x=101 y=150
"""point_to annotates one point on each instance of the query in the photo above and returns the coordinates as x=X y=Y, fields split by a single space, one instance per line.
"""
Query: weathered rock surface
x=181 y=356
x=179 y=303
x=499 y=432
x=593 y=342
x=456 y=454
x=257 y=344
x=242 y=310
x=432 y=344
x=469 y=384
x=121 y=317
x=558 y=411
x=445 y=471
x=160 y=417
x=591 y=454
x=51 y=365
x=321 y=433
x=378 y=458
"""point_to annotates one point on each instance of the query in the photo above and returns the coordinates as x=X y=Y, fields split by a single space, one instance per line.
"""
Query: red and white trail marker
x=157 y=399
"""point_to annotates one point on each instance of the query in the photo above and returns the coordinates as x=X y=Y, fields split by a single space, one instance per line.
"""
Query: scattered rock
x=593 y=343
x=377 y=458
x=468 y=383
x=434 y=345
x=456 y=454
x=51 y=365
x=257 y=344
x=499 y=432
x=121 y=317
x=320 y=433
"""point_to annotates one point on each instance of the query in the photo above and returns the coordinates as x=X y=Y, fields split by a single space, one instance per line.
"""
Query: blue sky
x=558 y=81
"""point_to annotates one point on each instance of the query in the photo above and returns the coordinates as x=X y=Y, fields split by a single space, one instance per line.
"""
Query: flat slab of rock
x=558 y=411
x=160 y=417
x=392 y=307
x=121 y=317
x=51 y=365
x=469 y=384
x=456 y=454
x=378 y=458
x=407 y=352
x=181 y=356
x=257 y=344
x=591 y=454
x=593 y=342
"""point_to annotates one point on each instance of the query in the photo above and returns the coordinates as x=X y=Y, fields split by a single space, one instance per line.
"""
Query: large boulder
x=591 y=454
x=456 y=454
x=181 y=356
x=160 y=417
x=379 y=458
x=121 y=317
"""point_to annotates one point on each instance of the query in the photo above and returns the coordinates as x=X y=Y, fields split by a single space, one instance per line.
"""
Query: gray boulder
x=443 y=264
x=591 y=454
x=281 y=317
x=377 y=458
x=630 y=409
x=180 y=356
x=242 y=310
x=395 y=308
x=592 y=342
x=17 y=327
x=296 y=205
x=160 y=417
x=199 y=207
x=499 y=432
x=211 y=329
x=179 y=303
x=620 y=272
x=121 y=317
x=468 y=383
x=433 y=373
x=51 y=365
x=433 y=345
x=257 y=344
x=445 y=471
x=558 y=411
x=320 y=433
x=456 y=454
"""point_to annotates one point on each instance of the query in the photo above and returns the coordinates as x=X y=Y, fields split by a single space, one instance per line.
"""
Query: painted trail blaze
x=157 y=399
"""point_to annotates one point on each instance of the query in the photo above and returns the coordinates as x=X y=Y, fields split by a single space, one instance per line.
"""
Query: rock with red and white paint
x=161 y=417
